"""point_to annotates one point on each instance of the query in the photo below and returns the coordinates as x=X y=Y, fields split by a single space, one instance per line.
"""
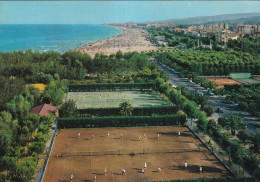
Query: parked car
x=233 y=105
x=210 y=93
x=219 y=110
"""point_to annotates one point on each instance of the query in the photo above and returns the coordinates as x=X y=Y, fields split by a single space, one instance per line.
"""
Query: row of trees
x=245 y=44
x=211 y=62
x=41 y=67
x=235 y=149
x=247 y=97
x=243 y=148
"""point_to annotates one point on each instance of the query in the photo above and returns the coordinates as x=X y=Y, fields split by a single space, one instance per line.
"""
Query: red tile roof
x=43 y=109
x=232 y=35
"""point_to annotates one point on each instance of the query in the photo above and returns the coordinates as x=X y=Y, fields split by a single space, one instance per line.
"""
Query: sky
x=99 y=12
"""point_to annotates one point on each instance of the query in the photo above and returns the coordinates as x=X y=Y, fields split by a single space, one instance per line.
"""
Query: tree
x=202 y=121
x=38 y=143
x=5 y=141
x=6 y=117
x=9 y=163
x=244 y=135
x=190 y=108
x=69 y=109
x=256 y=142
x=209 y=109
x=125 y=108
x=19 y=107
x=231 y=122
x=35 y=119
x=24 y=170
x=202 y=100
x=211 y=85
x=48 y=119
x=119 y=54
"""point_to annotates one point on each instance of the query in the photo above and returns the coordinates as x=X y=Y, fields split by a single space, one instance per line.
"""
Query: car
x=233 y=105
x=210 y=93
x=174 y=86
x=228 y=102
x=181 y=76
x=219 y=110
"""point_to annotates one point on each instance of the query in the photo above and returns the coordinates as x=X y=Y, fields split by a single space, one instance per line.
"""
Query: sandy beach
x=131 y=40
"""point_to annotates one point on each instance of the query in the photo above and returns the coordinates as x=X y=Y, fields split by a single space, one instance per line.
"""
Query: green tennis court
x=113 y=99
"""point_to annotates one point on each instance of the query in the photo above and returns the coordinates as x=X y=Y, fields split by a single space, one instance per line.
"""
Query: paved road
x=216 y=101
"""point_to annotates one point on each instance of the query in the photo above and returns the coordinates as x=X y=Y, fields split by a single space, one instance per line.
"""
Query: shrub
x=122 y=121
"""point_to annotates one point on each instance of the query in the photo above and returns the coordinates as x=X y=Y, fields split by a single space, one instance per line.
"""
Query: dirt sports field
x=75 y=155
x=223 y=81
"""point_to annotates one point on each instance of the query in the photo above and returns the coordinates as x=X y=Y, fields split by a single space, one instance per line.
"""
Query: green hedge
x=227 y=179
x=121 y=121
x=137 y=111
x=111 y=87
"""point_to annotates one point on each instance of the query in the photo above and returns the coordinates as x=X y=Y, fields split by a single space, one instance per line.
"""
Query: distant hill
x=250 y=20
x=229 y=18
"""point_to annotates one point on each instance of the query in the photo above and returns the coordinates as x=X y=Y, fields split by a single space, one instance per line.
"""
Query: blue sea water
x=52 y=37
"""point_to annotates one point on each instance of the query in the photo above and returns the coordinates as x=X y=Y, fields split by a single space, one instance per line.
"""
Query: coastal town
x=135 y=36
x=221 y=31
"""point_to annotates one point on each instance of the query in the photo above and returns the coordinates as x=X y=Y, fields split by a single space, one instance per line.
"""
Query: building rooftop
x=232 y=35
x=43 y=109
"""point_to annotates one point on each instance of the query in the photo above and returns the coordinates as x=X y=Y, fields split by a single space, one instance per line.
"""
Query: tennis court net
x=129 y=152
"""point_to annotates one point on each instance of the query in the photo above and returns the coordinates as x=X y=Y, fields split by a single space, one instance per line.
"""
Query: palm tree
x=231 y=122
x=211 y=85
x=125 y=108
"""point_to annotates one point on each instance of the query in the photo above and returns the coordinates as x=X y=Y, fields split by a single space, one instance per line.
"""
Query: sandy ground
x=171 y=164
x=132 y=40
x=223 y=81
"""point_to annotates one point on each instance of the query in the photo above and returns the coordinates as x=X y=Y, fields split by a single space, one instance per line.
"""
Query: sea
x=60 y=38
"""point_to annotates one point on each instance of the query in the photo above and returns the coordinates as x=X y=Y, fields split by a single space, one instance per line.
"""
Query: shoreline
x=132 y=39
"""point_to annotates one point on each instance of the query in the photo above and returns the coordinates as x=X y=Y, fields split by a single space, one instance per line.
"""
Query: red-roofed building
x=43 y=109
